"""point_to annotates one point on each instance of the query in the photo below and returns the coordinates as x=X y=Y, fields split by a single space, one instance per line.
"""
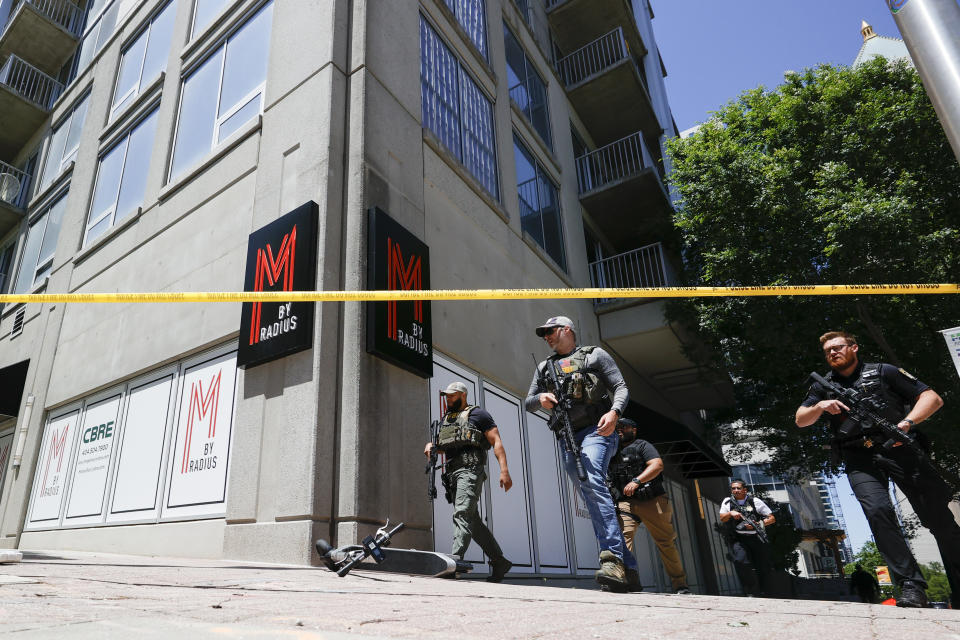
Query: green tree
x=938 y=587
x=838 y=176
x=869 y=558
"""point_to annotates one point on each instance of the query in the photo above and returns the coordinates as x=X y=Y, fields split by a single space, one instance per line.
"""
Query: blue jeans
x=595 y=452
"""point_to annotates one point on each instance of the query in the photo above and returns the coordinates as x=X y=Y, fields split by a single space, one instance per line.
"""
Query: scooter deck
x=418 y=563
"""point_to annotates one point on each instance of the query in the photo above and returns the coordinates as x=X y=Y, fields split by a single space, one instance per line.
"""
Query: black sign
x=398 y=332
x=281 y=256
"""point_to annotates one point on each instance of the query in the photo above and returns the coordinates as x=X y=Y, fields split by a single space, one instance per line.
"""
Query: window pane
x=107 y=24
x=206 y=11
x=51 y=166
x=478 y=134
x=550 y=215
x=158 y=48
x=537 y=113
x=239 y=118
x=197 y=115
x=438 y=88
x=246 y=64
x=128 y=78
x=471 y=14
x=108 y=182
x=54 y=218
x=76 y=126
x=527 y=192
x=516 y=69
x=135 y=168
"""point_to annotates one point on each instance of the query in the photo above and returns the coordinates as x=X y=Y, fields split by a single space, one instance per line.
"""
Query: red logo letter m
x=405 y=276
x=200 y=406
x=268 y=270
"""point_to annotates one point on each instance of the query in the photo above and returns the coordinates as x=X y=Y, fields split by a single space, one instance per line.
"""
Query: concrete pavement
x=87 y=595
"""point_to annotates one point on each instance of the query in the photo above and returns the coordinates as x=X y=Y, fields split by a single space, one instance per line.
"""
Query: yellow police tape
x=486 y=294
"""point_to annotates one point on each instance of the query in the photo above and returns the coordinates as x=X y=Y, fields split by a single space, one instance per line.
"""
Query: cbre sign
x=399 y=332
x=282 y=256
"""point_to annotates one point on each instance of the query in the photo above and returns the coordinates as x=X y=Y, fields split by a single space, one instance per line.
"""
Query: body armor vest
x=626 y=465
x=582 y=386
x=456 y=432
x=731 y=526
x=871 y=385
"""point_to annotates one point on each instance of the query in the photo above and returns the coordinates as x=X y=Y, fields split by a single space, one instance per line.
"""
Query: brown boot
x=612 y=572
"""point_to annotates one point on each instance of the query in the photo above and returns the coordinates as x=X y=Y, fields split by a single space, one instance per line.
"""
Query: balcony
x=43 y=32
x=26 y=96
x=621 y=185
x=606 y=86
x=638 y=331
x=14 y=186
x=576 y=22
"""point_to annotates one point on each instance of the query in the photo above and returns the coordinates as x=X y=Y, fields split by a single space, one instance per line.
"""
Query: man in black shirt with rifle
x=867 y=404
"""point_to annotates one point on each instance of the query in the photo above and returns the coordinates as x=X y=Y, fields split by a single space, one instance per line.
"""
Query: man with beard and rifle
x=636 y=483
x=576 y=385
x=743 y=521
x=463 y=437
x=872 y=408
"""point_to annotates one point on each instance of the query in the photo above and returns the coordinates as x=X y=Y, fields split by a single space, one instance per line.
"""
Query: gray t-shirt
x=598 y=361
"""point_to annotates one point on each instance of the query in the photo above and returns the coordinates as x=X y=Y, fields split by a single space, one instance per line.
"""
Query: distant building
x=875 y=45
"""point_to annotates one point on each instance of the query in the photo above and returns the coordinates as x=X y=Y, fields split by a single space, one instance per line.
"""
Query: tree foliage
x=838 y=176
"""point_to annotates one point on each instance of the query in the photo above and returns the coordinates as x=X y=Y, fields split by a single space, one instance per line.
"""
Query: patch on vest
x=566 y=365
x=904 y=372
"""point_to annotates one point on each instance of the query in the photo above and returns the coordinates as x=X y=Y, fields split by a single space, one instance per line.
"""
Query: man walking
x=750 y=554
x=591 y=379
x=465 y=435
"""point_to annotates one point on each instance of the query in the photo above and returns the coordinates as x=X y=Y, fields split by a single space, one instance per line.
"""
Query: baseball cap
x=555 y=321
x=455 y=387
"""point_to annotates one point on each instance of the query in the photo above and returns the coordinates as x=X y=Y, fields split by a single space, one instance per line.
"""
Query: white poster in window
x=140 y=450
x=50 y=479
x=201 y=444
x=952 y=336
x=6 y=446
x=97 y=435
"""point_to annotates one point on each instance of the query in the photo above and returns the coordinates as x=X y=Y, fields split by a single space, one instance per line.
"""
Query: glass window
x=539 y=204
x=121 y=178
x=223 y=93
x=471 y=14
x=41 y=242
x=455 y=109
x=144 y=59
x=64 y=142
x=206 y=11
x=527 y=88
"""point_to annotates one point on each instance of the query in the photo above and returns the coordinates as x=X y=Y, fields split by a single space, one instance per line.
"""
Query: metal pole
x=931 y=31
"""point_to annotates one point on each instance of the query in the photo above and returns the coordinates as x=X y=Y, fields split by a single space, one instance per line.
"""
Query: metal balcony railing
x=30 y=83
x=616 y=161
x=62 y=12
x=14 y=185
x=643 y=267
x=593 y=58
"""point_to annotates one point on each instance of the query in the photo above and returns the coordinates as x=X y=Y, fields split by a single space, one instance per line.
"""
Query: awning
x=678 y=445
x=12 y=381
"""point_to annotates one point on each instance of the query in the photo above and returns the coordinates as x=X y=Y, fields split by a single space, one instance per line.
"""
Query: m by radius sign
x=398 y=331
x=282 y=256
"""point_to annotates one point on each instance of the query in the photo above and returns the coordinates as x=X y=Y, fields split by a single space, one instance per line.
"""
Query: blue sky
x=714 y=50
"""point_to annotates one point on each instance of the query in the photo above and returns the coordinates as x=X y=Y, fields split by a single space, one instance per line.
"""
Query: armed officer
x=750 y=553
x=906 y=402
x=636 y=482
x=599 y=394
x=465 y=435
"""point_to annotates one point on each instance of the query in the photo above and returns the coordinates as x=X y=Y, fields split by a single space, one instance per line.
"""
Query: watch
x=619 y=413
x=912 y=423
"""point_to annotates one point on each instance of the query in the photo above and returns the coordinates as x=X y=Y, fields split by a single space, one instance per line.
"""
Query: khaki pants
x=657 y=516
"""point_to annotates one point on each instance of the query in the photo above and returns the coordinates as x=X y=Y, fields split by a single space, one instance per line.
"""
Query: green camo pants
x=467 y=473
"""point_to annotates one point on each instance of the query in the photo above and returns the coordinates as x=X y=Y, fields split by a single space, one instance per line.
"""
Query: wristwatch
x=912 y=423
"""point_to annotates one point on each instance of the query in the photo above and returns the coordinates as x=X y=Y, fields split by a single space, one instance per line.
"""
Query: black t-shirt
x=481 y=419
x=640 y=452
x=898 y=381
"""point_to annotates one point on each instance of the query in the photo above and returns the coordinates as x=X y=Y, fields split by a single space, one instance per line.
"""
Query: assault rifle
x=432 y=466
x=866 y=411
x=560 y=419
x=750 y=517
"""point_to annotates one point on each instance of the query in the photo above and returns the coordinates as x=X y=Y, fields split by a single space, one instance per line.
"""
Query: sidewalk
x=87 y=595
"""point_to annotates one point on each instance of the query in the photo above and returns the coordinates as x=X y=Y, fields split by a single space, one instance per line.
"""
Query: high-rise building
x=158 y=146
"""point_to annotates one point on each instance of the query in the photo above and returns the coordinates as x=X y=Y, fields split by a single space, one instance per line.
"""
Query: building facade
x=519 y=141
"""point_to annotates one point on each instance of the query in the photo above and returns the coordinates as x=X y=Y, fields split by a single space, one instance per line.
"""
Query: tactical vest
x=871 y=384
x=456 y=432
x=582 y=386
x=730 y=526
x=626 y=465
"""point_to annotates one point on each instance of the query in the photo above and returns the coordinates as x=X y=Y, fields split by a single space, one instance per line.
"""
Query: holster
x=447 y=483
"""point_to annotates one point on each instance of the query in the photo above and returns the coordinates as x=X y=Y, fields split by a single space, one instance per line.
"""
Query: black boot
x=912 y=595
